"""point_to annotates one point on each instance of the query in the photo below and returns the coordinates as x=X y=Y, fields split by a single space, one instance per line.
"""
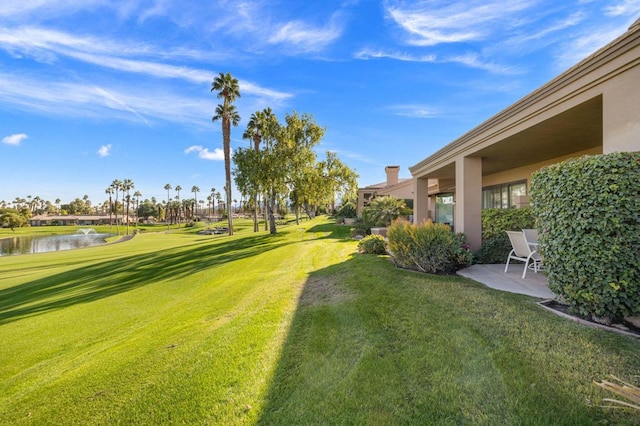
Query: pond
x=39 y=244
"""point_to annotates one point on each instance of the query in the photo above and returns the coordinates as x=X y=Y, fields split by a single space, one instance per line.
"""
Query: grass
x=288 y=329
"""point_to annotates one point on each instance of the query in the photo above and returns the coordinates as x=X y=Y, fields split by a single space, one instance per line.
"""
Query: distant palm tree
x=117 y=185
x=195 y=191
x=127 y=186
x=166 y=213
x=58 y=204
x=229 y=90
x=109 y=192
x=178 y=188
x=137 y=194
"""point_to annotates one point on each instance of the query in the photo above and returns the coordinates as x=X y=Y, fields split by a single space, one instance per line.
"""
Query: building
x=592 y=108
x=76 y=220
x=393 y=186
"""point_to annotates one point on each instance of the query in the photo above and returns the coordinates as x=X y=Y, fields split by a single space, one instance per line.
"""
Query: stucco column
x=621 y=113
x=468 y=199
x=420 y=199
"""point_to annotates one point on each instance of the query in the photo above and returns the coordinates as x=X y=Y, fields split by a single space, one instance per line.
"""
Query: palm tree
x=116 y=185
x=166 y=213
x=257 y=126
x=219 y=198
x=107 y=191
x=229 y=90
x=195 y=191
x=127 y=186
x=178 y=188
x=137 y=194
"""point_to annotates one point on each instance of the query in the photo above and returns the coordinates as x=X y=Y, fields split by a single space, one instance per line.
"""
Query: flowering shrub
x=428 y=247
x=372 y=244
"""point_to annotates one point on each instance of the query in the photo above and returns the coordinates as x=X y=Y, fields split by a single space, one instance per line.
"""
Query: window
x=503 y=196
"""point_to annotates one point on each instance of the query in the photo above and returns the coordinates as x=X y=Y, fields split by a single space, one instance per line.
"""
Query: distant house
x=592 y=108
x=78 y=220
x=393 y=186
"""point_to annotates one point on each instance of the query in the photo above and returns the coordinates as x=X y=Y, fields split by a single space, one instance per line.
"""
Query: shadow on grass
x=371 y=344
x=104 y=279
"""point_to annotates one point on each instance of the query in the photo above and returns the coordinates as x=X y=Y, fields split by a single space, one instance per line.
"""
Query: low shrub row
x=427 y=247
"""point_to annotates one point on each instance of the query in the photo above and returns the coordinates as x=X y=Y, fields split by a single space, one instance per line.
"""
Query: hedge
x=495 y=242
x=589 y=211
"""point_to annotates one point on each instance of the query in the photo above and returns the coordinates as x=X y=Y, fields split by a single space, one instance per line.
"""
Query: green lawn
x=177 y=328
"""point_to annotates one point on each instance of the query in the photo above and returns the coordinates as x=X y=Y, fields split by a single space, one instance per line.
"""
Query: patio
x=493 y=276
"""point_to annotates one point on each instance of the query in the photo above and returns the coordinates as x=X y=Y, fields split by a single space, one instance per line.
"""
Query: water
x=32 y=244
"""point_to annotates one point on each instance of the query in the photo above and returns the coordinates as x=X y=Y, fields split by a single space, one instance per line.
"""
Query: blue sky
x=97 y=90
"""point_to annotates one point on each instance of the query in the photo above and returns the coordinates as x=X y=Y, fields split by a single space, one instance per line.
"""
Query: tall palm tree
x=109 y=192
x=58 y=203
x=195 y=191
x=116 y=185
x=166 y=213
x=127 y=186
x=178 y=188
x=137 y=194
x=229 y=90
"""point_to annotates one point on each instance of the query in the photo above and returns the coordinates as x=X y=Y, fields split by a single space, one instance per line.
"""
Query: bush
x=360 y=228
x=428 y=247
x=383 y=210
x=495 y=242
x=589 y=211
x=372 y=244
x=348 y=209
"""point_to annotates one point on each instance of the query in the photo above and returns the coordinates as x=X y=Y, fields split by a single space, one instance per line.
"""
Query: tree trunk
x=272 y=218
x=255 y=213
x=226 y=125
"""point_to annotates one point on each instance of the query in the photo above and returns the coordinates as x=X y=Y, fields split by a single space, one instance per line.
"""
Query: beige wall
x=525 y=172
x=621 y=112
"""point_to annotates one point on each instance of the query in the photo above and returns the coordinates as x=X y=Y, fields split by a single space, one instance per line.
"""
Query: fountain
x=86 y=231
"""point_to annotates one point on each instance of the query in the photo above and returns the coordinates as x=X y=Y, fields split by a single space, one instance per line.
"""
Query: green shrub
x=348 y=209
x=360 y=228
x=495 y=242
x=383 y=210
x=428 y=247
x=372 y=244
x=589 y=211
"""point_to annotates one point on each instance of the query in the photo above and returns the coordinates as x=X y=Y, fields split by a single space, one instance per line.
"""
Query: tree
x=137 y=194
x=58 y=201
x=12 y=219
x=195 y=191
x=109 y=192
x=262 y=124
x=178 y=188
x=229 y=90
x=166 y=213
x=127 y=186
x=116 y=185
x=301 y=135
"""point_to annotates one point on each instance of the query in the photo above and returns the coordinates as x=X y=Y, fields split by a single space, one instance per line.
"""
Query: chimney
x=392 y=174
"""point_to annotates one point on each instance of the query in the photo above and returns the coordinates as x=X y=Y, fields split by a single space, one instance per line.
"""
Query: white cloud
x=624 y=7
x=15 y=139
x=414 y=111
x=216 y=155
x=105 y=150
x=304 y=37
x=432 y=23
x=400 y=56
x=46 y=45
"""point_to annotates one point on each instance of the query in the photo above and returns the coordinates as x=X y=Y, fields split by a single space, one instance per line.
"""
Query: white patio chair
x=531 y=235
x=523 y=252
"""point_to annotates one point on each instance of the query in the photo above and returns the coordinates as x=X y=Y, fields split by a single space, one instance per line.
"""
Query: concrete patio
x=493 y=276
